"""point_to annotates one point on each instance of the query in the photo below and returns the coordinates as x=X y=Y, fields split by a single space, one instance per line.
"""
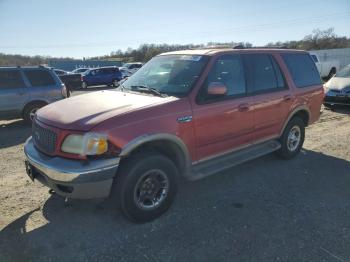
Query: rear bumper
x=71 y=178
x=337 y=100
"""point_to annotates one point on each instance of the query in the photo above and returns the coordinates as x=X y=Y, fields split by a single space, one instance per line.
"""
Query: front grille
x=335 y=91
x=44 y=138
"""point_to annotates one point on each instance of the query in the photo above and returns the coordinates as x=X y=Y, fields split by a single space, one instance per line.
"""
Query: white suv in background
x=132 y=67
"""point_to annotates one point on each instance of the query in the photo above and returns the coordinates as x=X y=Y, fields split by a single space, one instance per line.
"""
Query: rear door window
x=11 y=79
x=264 y=73
x=39 y=77
x=303 y=69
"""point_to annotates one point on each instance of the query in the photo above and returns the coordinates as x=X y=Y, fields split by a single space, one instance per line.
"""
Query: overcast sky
x=84 y=28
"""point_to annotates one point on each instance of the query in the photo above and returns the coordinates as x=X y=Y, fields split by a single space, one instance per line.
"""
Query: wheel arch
x=33 y=102
x=303 y=112
x=167 y=144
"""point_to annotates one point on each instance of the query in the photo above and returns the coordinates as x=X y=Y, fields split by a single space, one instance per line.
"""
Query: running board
x=221 y=163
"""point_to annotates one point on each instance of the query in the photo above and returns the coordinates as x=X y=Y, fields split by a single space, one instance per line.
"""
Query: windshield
x=345 y=72
x=170 y=74
x=86 y=72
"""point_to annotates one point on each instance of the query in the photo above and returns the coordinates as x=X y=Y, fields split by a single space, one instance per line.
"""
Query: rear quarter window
x=303 y=69
x=11 y=79
x=39 y=77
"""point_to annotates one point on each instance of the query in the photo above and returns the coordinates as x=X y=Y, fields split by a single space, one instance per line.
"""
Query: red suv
x=183 y=114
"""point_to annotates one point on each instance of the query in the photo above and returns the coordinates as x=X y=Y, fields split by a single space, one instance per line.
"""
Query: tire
x=331 y=73
x=135 y=180
x=84 y=85
x=115 y=83
x=291 y=145
x=30 y=110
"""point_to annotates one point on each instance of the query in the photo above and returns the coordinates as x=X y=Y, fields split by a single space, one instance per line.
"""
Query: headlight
x=87 y=144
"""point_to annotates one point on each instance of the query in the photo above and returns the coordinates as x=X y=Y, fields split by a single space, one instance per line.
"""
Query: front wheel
x=30 y=111
x=292 y=138
x=146 y=186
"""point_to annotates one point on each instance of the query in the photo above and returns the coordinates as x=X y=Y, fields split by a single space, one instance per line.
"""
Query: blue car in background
x=101 y=76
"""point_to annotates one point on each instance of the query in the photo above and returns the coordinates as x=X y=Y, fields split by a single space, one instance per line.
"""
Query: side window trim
x=200 y=101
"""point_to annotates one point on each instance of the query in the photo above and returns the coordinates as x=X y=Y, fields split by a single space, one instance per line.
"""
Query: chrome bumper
x=72 y=178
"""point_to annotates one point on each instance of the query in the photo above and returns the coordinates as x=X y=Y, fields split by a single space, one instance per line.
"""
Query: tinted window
x=39 y=77
x=302 y=69
x=11 y=79
x=263 y=73
x=95 y=72
x=228 y=70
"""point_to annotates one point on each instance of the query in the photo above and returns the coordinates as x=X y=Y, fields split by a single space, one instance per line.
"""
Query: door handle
x=21 y=93
x=243 y=107
x=287 y=98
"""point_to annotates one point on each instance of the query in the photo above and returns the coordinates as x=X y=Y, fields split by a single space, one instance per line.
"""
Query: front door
x=223 y=123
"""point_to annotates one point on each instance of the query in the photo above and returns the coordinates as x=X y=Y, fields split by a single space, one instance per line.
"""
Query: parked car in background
x=23 y=90
x=187 y=113
x=125 y=72
x=80 y=70
x=326 y=68
x=132 y=67
x=71 y=81
x=101 y=76
x=337 y=89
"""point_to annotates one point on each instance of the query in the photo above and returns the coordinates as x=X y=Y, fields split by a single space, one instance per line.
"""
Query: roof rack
x=270 y=47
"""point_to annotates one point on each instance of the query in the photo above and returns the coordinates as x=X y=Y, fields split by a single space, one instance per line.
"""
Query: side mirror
x=217 y=89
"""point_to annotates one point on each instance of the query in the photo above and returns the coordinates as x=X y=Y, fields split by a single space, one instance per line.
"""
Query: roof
x=214 y=51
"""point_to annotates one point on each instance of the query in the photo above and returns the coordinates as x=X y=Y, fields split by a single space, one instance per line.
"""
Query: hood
x=83 y=112
x=338 y=83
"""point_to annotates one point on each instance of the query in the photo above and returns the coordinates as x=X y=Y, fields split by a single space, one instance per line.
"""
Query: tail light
x=64 y=91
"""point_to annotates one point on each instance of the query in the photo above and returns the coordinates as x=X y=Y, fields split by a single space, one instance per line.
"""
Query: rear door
x=272 y=98
x=223 y=123
x=13 y=93
x=95 y=77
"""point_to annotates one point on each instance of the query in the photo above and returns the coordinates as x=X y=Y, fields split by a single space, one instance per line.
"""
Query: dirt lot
x=264 y=210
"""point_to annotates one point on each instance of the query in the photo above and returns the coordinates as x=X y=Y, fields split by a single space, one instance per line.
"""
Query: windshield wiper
x=149 y=90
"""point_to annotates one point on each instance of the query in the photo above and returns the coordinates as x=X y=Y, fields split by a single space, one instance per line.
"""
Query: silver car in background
x=23 y=90
x=337 y=89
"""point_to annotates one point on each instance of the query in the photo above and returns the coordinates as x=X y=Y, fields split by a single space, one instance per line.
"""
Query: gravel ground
x=264 y=210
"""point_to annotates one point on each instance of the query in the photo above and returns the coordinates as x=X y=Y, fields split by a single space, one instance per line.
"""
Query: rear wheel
x=146 y=186
x=115 y=83
x=30 y=111
x=84 y=85
x=292 y=138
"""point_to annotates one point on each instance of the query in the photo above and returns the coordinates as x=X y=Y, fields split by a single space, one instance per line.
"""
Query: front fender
x=147 y=138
